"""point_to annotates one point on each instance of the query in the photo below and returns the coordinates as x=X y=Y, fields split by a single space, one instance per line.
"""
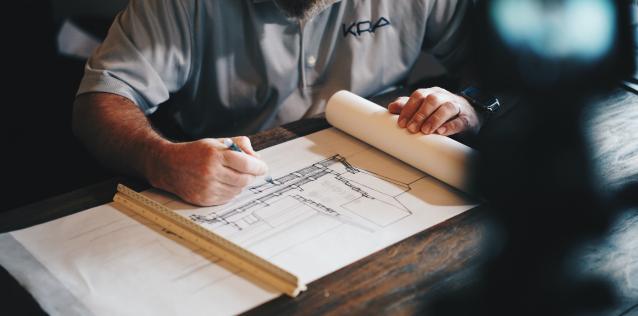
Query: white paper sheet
x=436 y=155
x=335 y=200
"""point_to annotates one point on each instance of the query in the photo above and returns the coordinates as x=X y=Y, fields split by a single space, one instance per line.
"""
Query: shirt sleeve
x=145 y=56
x=447 y=34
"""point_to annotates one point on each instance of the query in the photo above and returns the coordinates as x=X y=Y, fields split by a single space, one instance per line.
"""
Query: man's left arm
x=436 y=110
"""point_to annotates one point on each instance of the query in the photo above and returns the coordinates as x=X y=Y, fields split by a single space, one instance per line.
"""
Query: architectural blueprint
x=363 y=199
x=333 y=200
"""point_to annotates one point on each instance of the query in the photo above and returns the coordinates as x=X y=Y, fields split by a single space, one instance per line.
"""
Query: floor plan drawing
x=332 y=188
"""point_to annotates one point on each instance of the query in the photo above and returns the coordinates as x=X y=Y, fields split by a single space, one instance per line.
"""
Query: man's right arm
x=202 y=172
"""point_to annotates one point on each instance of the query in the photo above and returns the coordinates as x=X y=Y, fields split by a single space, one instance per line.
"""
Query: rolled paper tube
x=439 y=156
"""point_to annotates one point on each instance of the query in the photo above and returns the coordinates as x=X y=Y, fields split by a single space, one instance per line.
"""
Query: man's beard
x=303 y=10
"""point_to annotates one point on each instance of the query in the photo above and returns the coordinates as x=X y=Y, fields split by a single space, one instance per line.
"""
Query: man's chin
x=303 y=9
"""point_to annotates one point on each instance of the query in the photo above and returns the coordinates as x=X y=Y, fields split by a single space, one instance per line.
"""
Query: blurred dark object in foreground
x=549 y=47
x=541 y=179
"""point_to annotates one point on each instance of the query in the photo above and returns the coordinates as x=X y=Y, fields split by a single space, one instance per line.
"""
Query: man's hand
x=205 y=172
x=202 y=172
x=435 y=110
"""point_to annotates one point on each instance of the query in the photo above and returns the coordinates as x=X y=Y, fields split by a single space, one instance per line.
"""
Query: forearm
x=115 y=130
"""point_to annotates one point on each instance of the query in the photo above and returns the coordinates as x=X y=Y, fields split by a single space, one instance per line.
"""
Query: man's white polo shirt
x=234 y=67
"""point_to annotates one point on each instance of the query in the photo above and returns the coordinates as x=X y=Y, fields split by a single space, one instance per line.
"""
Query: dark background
x=41 y=156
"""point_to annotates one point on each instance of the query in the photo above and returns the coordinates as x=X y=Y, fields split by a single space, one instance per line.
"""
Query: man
x=234 y=67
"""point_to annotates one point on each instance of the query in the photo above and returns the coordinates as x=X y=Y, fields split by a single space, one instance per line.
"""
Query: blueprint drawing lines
x=331 y=188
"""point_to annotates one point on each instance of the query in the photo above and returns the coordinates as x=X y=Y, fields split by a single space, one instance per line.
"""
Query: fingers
x=233 y=178
x=217 y=194
x=428 y=106
x=454 y=126
x=430 y=110
x=244 y=143
x=397 y=105
x=206 y=172
x=442 y=114
x=219 y=185
x=244 y=163
x=223 y=194
x=411 y=106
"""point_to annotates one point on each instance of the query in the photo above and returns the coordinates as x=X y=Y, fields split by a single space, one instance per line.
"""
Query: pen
x=232 y=146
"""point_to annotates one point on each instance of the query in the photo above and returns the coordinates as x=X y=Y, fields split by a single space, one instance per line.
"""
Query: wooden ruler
x=217 y=245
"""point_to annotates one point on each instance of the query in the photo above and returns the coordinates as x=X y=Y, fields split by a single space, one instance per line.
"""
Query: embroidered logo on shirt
x=357 y=28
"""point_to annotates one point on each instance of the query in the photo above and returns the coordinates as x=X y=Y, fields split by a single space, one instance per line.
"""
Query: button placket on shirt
x=302 y=54
x=311 y=61
x=309 y=58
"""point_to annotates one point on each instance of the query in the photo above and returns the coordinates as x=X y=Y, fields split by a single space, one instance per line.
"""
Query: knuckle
x=202 y=189
x=418 y=117
x=437 y=117
x=209 y=150
x=223 y=157
x=455 y=124
x=211 y=169
x=393 y=107
x=432 y=99
x=452 y=126
x=450 y=107
x=243 y=139
x=396 y=105
x=419 y=94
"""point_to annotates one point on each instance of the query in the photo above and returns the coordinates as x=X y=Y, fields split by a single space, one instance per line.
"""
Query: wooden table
x=402 y=278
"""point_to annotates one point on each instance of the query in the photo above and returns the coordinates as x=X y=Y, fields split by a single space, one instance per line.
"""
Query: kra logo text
x=357 y=28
